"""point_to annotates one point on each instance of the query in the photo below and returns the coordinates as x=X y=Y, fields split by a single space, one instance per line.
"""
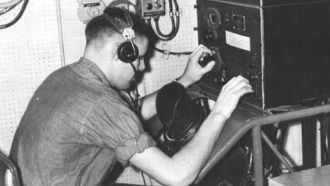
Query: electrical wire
x=9 y=4
x=174 y=29
x=167 y=52
x=177 y=15
x=6 y=10
x=175 y=22
x=172 y=21
x=134 y=98
x=19 y=15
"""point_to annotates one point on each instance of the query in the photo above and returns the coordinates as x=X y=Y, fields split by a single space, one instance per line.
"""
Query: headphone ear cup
x=127 y=53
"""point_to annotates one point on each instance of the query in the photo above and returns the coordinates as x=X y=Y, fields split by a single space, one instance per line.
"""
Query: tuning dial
x=253 y=64
x=209 y=36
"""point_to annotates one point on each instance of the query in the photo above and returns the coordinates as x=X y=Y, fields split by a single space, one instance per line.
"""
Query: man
x=77 y=124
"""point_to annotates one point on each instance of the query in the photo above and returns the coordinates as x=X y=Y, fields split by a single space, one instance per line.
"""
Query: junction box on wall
x=151 y=8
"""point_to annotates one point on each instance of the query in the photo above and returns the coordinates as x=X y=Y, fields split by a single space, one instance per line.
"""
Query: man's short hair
x=99 y=27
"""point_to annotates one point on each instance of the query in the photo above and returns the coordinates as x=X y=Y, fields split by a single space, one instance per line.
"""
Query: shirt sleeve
x=112 y=124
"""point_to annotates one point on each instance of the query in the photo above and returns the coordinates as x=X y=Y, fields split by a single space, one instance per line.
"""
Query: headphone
x=180 y=115
x=127 y=51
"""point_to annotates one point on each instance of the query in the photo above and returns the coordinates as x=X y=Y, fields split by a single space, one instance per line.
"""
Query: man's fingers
x=201 y=49
x=208 y=67
x=197 y=49
x=233 y=82
x=243 y=90
x=237 y=87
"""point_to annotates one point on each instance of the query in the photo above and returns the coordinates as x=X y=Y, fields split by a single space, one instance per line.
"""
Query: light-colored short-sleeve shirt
x=75 y=128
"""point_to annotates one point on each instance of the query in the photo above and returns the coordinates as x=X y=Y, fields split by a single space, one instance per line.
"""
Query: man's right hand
x=194 y=71
x=230 y=94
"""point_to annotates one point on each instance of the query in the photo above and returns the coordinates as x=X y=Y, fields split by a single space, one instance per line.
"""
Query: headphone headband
x=127 y=32
x=127 y=51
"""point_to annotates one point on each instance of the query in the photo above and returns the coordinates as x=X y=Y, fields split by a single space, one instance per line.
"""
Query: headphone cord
x=136 y=106
x=134 y=51
x=134 y=98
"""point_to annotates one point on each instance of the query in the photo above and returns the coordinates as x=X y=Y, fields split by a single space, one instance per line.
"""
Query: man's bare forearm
x=148 y=106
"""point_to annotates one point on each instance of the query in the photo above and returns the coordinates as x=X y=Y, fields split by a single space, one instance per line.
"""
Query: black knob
x=253 y=64
x=209 y=36
x=205 y=59
x=149 y=6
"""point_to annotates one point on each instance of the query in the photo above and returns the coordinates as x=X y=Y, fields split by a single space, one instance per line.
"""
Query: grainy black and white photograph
x=164 y=93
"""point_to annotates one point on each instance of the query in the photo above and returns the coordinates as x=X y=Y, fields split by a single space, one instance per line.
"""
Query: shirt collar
x=91 y=71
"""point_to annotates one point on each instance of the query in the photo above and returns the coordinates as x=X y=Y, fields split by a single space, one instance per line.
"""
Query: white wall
x=29 y=51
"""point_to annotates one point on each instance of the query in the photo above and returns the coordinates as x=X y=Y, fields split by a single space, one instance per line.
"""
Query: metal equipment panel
x=284 y=50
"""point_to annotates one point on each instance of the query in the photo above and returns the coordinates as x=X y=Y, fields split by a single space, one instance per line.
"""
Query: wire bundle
x=8 y=6
x=175 y=21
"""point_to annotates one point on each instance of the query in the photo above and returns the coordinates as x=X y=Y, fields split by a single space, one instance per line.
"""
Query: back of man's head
x=99 y=27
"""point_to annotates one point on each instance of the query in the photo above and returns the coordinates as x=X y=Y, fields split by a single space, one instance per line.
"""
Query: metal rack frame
x=255 y=125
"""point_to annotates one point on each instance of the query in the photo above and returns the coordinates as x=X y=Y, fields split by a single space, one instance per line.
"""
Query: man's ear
x=109 y=48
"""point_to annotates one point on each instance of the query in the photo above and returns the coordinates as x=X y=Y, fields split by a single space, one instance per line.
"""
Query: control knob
x=209 y=36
